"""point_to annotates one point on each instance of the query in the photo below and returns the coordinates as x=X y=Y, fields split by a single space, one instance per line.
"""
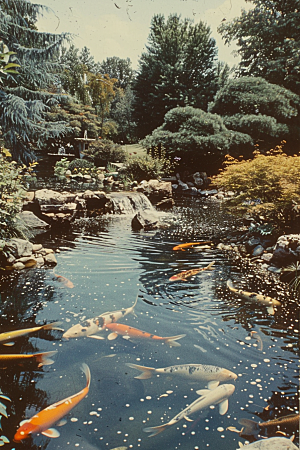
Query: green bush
x=104 y=151
x=140 y=168
x=80 y=164
x=267 y=187
x=12 y=193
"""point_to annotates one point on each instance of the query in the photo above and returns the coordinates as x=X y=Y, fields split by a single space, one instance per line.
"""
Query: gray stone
x=18 y=265
x=143 y=220
x=50 y=259
x=50 y=197
x=274 y=269
x=267 y=257
x=258 y=250
x=18 y=247
x=35 y=224
x=36 y=247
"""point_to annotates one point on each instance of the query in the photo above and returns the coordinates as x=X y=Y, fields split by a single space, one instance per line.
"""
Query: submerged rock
x=144 y=220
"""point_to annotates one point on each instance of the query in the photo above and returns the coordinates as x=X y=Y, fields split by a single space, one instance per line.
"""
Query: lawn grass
x=134 y=150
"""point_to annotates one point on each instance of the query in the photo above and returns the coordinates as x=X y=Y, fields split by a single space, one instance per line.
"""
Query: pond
x=109 y=266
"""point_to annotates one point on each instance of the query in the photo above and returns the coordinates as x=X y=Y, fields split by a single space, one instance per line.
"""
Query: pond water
x=109 y=266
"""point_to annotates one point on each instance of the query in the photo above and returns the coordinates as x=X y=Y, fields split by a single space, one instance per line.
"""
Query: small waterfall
x=130 y=202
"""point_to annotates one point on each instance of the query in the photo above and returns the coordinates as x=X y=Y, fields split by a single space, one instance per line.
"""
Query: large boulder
x=18 y=248
x=287 y=250
x=50 y=197
x=36 y=225
x=144 y=220
x=157 y=190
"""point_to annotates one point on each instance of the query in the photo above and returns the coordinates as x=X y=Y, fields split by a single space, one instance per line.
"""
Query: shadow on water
x=109 y=265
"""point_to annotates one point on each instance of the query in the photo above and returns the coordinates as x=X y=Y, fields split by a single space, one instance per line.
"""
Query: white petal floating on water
x=169 y=392
x=74 y=419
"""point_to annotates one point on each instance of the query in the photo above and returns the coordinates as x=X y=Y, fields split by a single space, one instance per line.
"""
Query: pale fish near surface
x=218 y=396
x=193 y=372
x=253 y=297
x=274 y=443
x=90 y=327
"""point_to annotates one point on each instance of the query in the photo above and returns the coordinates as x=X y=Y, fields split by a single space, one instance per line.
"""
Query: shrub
x=61 y=167
x=12 y=193
x=104 y=151
x=268 y=186
x=80 y=164
x=146 y=167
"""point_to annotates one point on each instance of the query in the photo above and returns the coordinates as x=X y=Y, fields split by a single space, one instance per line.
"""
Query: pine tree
x=27 y=95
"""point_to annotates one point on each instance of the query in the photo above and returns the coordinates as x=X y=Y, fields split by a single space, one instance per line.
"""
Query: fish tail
x=155 y=430
x=133 y=306
x=44 y=359
x=86 y=370
x=250 y=427
x=171 y=341
x=230 y=285
x=147 y=372
x=210 y=265
x=52 y=326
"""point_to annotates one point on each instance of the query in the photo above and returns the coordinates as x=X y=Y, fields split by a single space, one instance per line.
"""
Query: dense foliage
x=138 y=168
x=103 y=151
x=200 y=139
x=267 y=186
x=265 y=111
x=25 y=96
x=268 y=39
x=177 y=69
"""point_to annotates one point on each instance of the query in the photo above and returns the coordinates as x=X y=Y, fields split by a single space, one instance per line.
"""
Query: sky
x=121 y=27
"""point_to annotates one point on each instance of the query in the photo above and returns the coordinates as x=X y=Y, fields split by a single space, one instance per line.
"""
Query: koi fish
x=42 y=421
x=89 y=327
x=66 y=282
x=274 y=443
x=289 y=423
x=42 y=358
x=218 y=396
x=9 y=336
x=134 y=333
x=259 y=298
x=192 y=372
x=182 y=247
x=189 y=273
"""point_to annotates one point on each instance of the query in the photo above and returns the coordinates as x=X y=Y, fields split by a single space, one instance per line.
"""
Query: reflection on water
x=109 y=265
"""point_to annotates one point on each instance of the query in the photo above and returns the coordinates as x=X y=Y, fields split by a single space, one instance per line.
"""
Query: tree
x=268 y=37
x=24 y=97
x=121 y=112
x=73 y=74
x=198 y=138
x=117 y=68
x=178 y=69
x=267 y=112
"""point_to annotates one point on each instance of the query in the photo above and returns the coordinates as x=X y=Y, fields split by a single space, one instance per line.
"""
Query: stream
x=110 y=266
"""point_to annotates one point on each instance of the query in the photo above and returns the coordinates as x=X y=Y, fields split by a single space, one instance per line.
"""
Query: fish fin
x=155 y=430
x=112 y=336
x=202 y=391
x=210 y=265
x=43 y=358
x=235 y=430
x=9 y=344
x=147 y=372
x=171 y=341
x=5 y=397
x=51 y=433
x=95 y=336
x=250 y=427
x=61 y=422
x=134 y=305
x=23 y=421
x=86 y=370
x=223 y=407
x=270 y=310
x=188 y=419
x=52 y=326
x=213 y=384
x=240 y=444
x=230 y=285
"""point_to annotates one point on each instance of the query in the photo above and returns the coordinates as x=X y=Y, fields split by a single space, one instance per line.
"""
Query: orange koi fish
x=65 y=281
x=189 y=273
x=134 y=333
x=43 y=359
x=190 y=244
x=9 y=336
x=42 y=421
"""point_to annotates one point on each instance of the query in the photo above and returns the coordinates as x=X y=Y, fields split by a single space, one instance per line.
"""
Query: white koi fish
x=258 y=298
x=90 y=327
x=193 y=372
x=218 y=396
x=274 y=443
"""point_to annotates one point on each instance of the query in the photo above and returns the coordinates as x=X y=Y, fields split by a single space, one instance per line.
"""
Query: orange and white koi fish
x=218 y=396
x=65 y=281
x=89 y=327
x=42 y=421
x=189 y=273
x=182 y=247
x=134 y=333
x=8 y=337
x=43 y=359
x=253 y=297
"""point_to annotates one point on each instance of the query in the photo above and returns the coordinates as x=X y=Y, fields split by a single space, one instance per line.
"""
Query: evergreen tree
x=26 y=96
x=178 y=69
x=118 y=68
x=268 y=37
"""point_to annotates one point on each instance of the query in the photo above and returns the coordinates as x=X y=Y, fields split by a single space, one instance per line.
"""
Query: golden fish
x=182 y=247
x=42 y=358
x=65 y=281
x=9 y=336
x=189 y=273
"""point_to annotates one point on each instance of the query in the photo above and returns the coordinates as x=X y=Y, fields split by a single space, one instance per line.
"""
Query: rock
x=267 y=257
x=36 y=247
x=251 y=244
x=40 y=261
x=258 y=250
x=18 y=266
x=183 y=186
x=18 y=247
x=50 y=259
x=286 y=250
x=158 y=190
x=50 y=197
x=198 y=180
x=36 y=225
x=274 y=269
x=165 y=204
x=143 y=220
